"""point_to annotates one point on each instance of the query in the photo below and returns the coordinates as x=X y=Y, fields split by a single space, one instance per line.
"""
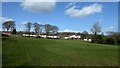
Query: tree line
x=38 y=28
x=48 y=29
x=112 y=37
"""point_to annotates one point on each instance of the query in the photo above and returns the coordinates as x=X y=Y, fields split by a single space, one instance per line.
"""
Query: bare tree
x=37 y=27
x=8 y=25
x=28 y=26
x=50 y=29
x=85 y=34
x=54 y=29
x=47 y=28
x=96 y=28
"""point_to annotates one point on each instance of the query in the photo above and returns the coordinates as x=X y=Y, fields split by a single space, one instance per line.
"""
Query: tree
x=47 y=28
x=85 y=34
x=28 y=26
x=8 y=25
x=50 y=29
x=37 y=27
x=115 y=36
x=96 y=28
x=14 y=31
x=54 y=29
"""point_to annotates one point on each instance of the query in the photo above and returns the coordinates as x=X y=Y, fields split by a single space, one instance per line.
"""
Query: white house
x=43 y=36
x=7 y=33
x=25 y=35
x=73 y=36
x=55 y=37
x=66 y=37
x=88 y=40
x=85 y=40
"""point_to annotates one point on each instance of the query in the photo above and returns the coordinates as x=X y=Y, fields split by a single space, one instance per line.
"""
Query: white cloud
x=38 y=5
x=23 y=23
x=66 y=30
x=85 y=11
x=69 y=30
x=70 y=5
x=3 y=19
x=111 y=28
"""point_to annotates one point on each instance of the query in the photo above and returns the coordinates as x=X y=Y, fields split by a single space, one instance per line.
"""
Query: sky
x=68 y=16
x=119 y=17
x=66 y=0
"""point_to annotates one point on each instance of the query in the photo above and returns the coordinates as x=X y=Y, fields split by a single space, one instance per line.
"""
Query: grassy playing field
x=21 y=51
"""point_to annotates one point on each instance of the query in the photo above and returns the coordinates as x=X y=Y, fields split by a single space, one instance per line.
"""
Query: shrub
x=5 y=35
x=98 y=39
x=14 y=31
x=110 y=40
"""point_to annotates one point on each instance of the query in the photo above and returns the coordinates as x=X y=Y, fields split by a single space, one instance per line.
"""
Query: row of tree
x=38 y=28
x=112 y=38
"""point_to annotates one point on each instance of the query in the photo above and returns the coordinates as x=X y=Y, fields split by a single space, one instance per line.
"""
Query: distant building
x=73 y=37
x=87 y=40
x=7 y=33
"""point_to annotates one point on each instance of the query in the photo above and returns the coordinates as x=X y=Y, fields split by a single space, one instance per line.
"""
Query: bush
x=14 y=31
x=98 y=39
x=113 y=39
x=5 y=35
x=38 y=37
x=118 y=41
x=110 y=40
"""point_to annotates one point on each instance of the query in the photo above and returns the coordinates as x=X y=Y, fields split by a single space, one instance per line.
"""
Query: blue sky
x=108 y=16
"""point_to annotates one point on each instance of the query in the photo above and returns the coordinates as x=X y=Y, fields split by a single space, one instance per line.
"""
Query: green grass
x=21 y=51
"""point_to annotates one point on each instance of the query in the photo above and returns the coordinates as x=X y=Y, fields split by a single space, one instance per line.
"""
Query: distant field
x=21 y=51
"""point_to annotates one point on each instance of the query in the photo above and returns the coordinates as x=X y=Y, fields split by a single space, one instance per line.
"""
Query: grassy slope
x=19 y=51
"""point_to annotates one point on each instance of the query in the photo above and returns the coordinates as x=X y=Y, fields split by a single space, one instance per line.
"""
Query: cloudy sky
x=68 y=16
